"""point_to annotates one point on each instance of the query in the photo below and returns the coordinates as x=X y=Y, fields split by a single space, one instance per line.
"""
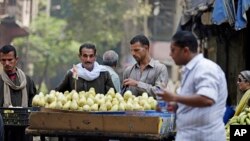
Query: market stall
x=94 y=116
x=143 y=125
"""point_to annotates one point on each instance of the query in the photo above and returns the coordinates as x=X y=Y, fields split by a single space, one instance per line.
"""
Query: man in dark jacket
x=16 y=89
x=87 y=74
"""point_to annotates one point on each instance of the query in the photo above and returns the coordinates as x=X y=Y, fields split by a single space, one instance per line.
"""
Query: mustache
x=88 y=62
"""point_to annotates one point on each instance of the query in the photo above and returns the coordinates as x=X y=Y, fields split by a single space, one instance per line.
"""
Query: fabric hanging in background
x=241 y=17
x=224 y=11
x=191 y=18
x=193 y=7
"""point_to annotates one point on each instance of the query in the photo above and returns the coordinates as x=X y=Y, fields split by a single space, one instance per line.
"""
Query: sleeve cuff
x=211 y=93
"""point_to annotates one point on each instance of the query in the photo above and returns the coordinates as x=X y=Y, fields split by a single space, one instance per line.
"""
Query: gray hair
x=246 y=74
x=110 y=58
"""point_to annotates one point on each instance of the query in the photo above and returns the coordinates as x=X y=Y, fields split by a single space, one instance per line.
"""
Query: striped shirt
x=153 y=75
x=202 y=77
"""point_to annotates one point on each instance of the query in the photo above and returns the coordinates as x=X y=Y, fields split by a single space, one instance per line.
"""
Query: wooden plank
x=66 y=121
x=58 y=133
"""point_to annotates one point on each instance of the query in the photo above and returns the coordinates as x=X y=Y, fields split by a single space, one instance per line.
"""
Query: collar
x=190 y=65
x=11 y=74
x=151 y=63
x=107 y=67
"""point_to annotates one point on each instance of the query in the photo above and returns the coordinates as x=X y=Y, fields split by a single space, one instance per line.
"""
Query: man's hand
x=167 y=95
x=130 y=82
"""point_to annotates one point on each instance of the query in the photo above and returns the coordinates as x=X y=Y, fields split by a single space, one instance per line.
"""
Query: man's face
x=9 y=62
x=138 y=51
x=87 y=58
x=177 y=54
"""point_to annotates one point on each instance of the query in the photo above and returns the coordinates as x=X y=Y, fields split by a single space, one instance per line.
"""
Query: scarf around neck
x=9 y=84
x=89 y=75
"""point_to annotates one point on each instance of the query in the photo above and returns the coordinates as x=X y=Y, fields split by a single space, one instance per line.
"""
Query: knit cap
x=246 y=75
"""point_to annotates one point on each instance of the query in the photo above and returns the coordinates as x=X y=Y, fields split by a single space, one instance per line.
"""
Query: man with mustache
x=16 y=89
x=147 y=74
x=88 y=73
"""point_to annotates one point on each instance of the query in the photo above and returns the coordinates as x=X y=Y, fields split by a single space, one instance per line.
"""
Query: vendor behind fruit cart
x=146 y=74
x=16 y=89
x=87 y=74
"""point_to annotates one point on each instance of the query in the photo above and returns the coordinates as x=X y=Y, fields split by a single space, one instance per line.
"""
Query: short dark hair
x=110 y=58
x=88 y=46
x=140 y=38
x=185 y=39
x=8 y=48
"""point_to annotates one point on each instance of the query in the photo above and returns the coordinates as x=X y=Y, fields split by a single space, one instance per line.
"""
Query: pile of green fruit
x=242 y=119
x=92 y=101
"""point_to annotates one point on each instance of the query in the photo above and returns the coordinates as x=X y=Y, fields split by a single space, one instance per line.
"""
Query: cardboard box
x=79 y=121
x=132 y=124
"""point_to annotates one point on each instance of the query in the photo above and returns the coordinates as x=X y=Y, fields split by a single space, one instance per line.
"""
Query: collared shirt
x=153 y=75
x=12 y=76
x=115 y=78
x=202 y=77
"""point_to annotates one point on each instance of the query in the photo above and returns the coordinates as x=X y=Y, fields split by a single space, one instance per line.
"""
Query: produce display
x=242 y=119
x=92 y=101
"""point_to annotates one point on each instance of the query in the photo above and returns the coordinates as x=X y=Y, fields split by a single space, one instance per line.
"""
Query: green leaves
x=53 y=43
x=48 y=48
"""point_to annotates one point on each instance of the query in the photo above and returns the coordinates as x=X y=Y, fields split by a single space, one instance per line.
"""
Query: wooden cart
x=89 y=126
x=97 y=136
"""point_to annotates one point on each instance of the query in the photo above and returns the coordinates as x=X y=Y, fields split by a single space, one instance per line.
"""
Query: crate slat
x=16 y=116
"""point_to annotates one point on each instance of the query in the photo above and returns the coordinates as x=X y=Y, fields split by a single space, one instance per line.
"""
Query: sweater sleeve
x=109 y=84
x=65 y=83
